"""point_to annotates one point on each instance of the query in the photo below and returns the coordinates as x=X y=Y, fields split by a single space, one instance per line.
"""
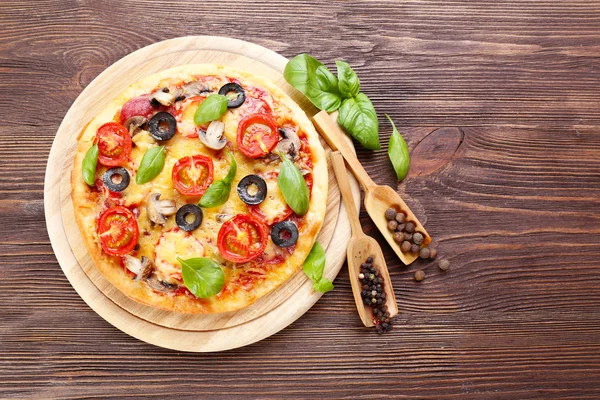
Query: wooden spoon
x=360 y=247
x=378 y=198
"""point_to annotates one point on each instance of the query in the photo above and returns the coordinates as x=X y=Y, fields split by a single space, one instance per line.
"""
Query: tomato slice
x=118 y=231
x=114 y=144
x=242 y=238
x=257 y=135
x=192 y=175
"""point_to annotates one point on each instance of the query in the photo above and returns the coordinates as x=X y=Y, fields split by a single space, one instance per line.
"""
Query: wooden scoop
x=360 y=247
x=378 y=198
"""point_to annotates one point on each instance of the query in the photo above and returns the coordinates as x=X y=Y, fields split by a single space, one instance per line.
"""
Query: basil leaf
x=314 y=80
x=152 y=164
x=293 y=186
x=88 y=166
x=313 y=267
x=398 y=152
x=358 y=117
x=324 y=285
x=211 y=109
x=216 y=194
x=202 y=276
x=349 y=84
x=232 y=169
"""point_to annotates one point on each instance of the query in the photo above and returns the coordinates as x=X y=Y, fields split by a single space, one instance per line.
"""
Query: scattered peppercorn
x=392 y=225
x=424 y=253
x=419 y=275
x=418 y=238
x=410 y=227
x=405 y=246
x=444 y=264
x=432 y=253
x=400 y=217
x=390 y=213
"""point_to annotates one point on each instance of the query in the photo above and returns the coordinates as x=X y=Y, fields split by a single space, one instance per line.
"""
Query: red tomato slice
x=257 y=135
x=192 y=175
x=137 y=106
x=118 y=231
x=114 y=144
x=242 y=238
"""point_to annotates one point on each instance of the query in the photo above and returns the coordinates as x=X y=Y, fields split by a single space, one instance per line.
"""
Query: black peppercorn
x=370 y=260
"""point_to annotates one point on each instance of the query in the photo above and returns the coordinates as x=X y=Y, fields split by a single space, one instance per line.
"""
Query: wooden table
x=500 y=105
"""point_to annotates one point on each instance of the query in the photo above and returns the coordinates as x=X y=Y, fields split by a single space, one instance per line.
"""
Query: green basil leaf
x=152 y=164
x=358 y=118
x=314 y=265
x=293 y=186
x=202 y=276
x=211 y=109
x=398 y=152
x=324 y=285
x=216 y=194
x=232 y=169
x=314 y=80
x=349 y=84
x=88 y=166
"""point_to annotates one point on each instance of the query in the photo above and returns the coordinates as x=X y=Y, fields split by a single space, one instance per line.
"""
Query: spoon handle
x=341 y=174
x=336 y=139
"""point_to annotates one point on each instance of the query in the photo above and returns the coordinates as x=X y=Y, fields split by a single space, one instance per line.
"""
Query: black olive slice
x=116 y=179
x=259 y=185
x=233 y=87
x=284 y=234
x=183 y=214
x=162 y=126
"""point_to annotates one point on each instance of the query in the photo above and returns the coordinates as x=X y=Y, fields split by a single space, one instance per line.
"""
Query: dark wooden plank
x=499 y=102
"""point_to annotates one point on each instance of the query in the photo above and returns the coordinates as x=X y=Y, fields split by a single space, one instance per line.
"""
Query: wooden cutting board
x=168 y=329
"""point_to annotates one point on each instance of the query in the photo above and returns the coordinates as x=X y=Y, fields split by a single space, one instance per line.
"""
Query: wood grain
x=500 y=105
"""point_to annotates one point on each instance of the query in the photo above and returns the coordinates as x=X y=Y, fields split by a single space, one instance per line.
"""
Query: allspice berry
x=398 y=237
x=424 y=253
x=405 y=246
x=390 y=214
x=408 y=236
x=400 y=217
x=432 y=253
x=410 y=227
x=414 y=248
x=444 y=264
x=419 y=275
x=392 y=225
x=400 y=227
x=418 y=238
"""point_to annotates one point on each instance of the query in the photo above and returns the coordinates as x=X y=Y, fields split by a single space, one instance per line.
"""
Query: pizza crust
x=86 y=213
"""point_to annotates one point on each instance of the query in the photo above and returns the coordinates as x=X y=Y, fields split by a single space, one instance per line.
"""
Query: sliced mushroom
x=213 y=136
x=141 y=268
x=191 y=89
x=135 y=124
x=159 y=210
x=290 y=144
x=160 y=286
x=162 y=97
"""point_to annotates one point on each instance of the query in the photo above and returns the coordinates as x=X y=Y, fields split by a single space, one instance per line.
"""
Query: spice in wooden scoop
x=405 y=233
x=373 y=295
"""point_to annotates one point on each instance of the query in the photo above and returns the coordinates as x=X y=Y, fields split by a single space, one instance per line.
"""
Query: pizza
x=199 y=189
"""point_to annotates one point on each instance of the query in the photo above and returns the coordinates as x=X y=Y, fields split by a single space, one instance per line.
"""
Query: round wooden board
x=167 y=329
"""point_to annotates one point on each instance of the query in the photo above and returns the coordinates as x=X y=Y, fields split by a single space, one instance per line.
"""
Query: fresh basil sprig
x=152 y=164
x=211 y=109
x=349 y=84
x=202 y=276
x=218 y=192
x=88 y=166
x=315 y=81
x=313 y=267
x=356 y=112
x=398 y=152
x=357 y=115
x=293 y=186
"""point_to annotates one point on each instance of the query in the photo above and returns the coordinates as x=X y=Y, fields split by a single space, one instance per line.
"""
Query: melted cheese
x=173 y=244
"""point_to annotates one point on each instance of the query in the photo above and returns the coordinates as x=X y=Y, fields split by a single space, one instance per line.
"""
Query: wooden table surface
x=500 y=104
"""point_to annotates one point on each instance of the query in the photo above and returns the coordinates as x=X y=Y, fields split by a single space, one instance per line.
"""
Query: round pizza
x=199 y=189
